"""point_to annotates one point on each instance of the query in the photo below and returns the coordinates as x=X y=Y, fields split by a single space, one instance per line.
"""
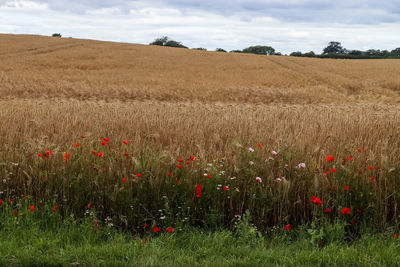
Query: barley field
x=190 y=120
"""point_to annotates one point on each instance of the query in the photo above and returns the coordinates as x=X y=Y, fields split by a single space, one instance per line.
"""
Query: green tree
x=334 y=48
x=220 y=50
x=259 y=50
x=165 y=41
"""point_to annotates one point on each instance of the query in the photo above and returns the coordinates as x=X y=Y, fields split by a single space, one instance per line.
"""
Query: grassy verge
x=81 y=245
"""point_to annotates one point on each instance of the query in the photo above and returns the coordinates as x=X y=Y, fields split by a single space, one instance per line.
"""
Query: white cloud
x=233 y=28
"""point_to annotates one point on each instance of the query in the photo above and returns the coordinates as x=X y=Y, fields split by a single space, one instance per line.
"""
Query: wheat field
x=54 y=90
x=65 y=95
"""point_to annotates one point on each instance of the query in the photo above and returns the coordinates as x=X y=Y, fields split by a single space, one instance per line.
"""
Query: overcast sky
x=286 y=25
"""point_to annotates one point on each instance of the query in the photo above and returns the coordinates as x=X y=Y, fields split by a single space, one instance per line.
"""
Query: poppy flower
x=124 y=180
x=258 y=179
x=145 y=226
x=40 y=155
x=76 y=145
x=48 y=153
x=125 y=142
x=328 y=210
x=82 y=136
x=66 y=156
x=168 y=174
x=225 y=188
x=32 y=208
x=259 y=144
x=170 y=229
x=326 y=173
x=359 y=150
x=179 y=166
x=329 y=158
x=55 y=208
x=346 y=211
x=192 y=158
x=1 y=202
x=346 y=188
x=333 y=170
x=371 y=167
x=126 y=154
x=156 y=229
x=177 y=181
x=396 y=236
x=288 y=227
x=372 y=178
x=198 y=190
x=138 y=175
x=316 y=200
x=100 y=154
x=106 y=139
x=104 y=143
x=349 y=158
x=89 y=205
x=94 y=152
x=15 y=213
x=180 y=160
x=187 y=162
x=208 y=175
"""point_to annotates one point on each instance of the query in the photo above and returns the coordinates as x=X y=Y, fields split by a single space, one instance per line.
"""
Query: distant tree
x=220 y=50
x=259 y=50
x=334 y=48
x=296 y=54
x=56 y=35
x=200 y=48
x=235 y=51
x=165 y=41
x=395 y=52
x=278 y=54
x=309 y=54
x=355 y=52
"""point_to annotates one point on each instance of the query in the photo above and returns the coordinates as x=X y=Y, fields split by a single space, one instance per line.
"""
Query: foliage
x=259 y=50
x=334 y=48
x=165 y=41
x=220 y=50
x=56 y=35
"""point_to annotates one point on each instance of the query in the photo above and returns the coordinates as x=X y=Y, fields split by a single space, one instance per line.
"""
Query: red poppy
x=66 y=156
x=371 y=167
x=156 y=229
x=329 y=158
x=100 y=154
x=168 y=174
x=1 y=202
x=328 y=210
x=192 y=158
x=170 y=229
x=225 y=188
x=179 y=166
x=333 y=170
x=359 y=150
x=48 y=153
x=55 y=208
x=188 y=162
x=104 y=143
x=125 y=142
x=145 y=226
x=124 y=180
x=40 y=155
x=349 y=158
x=316 y=200
x=208 y=175
x=259 y=144
x=32 y=208
x=96 y=222
x=82 y=136
x=177 y=181
x=94 y=152
x=372 y=178
x=326 y=173
x=396 y=236
x=89 y=205
x=15 y=213
x=126 y=154
x=198 y=190
x=76 y=145
x=180 y=160
x=346 y=211
x=138 y=175
x=346 y=188
x=106 y=139
x=288 y=227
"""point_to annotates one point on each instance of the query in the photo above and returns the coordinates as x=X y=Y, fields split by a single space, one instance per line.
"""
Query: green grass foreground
x=70 y=244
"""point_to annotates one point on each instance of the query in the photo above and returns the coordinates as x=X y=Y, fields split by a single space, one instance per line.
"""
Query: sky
x=286 y=25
